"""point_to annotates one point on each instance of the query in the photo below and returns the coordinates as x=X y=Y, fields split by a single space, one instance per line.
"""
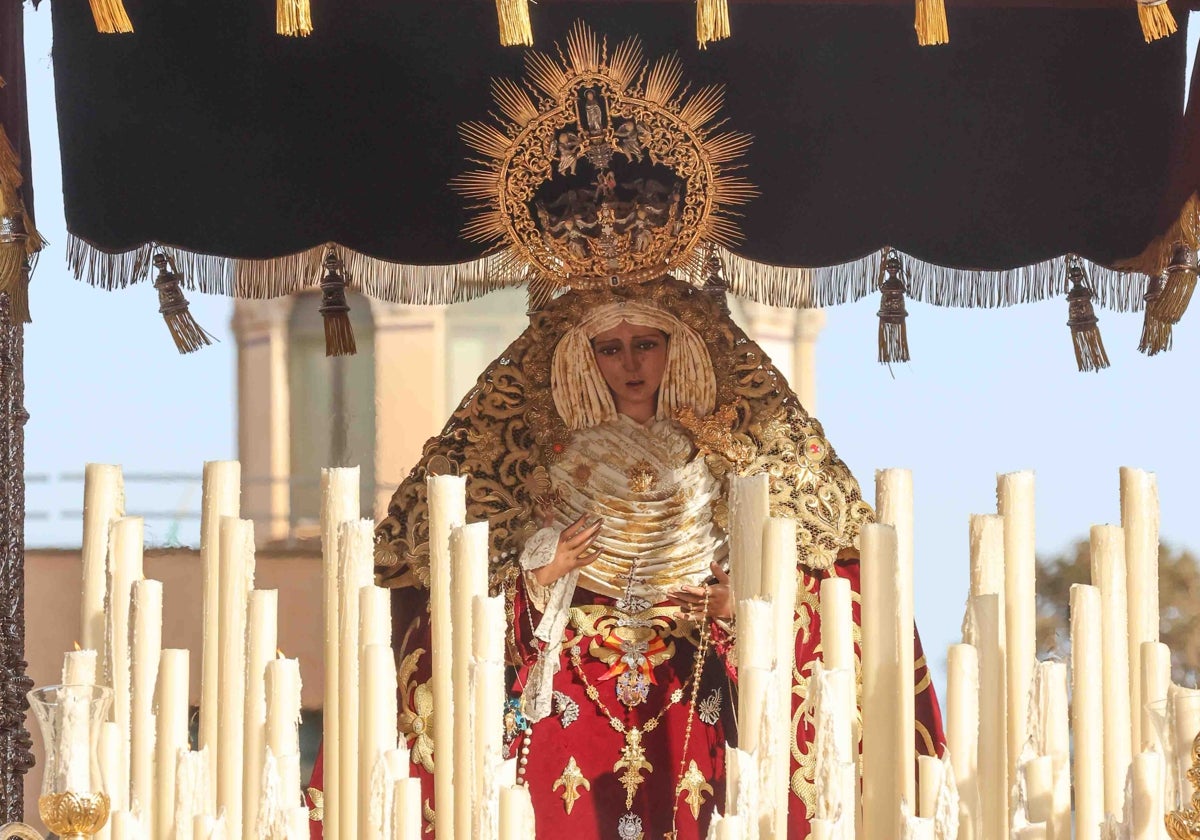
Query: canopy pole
x=16 y=755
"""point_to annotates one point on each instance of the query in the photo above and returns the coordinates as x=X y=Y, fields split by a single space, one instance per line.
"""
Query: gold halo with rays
x=591 y=108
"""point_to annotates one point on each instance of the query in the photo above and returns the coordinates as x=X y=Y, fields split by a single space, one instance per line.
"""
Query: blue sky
x=987 y=392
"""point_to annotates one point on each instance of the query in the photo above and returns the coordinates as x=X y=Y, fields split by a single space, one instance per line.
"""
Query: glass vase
x=73 y=803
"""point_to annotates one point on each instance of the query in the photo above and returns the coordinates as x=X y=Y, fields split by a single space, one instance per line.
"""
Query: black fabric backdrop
x=1036 y=132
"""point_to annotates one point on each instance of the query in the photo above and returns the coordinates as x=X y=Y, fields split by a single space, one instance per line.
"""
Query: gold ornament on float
x=603 y=170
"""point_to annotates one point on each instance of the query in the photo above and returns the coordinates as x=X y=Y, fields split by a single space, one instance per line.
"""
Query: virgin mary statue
x=600 y=448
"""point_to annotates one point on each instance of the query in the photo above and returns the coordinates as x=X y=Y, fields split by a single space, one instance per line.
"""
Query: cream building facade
x=299 y=411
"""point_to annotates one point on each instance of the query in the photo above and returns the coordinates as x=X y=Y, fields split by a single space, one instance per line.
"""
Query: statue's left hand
x=691 y=598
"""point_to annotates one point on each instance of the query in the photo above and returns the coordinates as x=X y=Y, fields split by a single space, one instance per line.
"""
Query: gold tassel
x=14 y=254
x=188 y=335
x=931 y=25
x=335 y=311
x=712 y=21
x=893 y=334
x=1178 y=285
x=1081 y=318
x=515 y=28
x=1156 y=19
x=293 y=18
x=110 y=16
x=1156 y=335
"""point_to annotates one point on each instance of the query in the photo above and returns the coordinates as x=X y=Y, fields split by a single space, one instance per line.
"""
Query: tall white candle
x=103 y=503
x=487 y=680
x=1087 y=710
x=779 y=579
x=468 y=579
x=1139 y=519
x=1108 y=574
x=882 y=684
x=406 y=809
x=1034 y=831
x=733 y=827
x=377 y=732
x=339 y=503
x=374 y=615
x=1155 y=680
x=193 y=793
x=108 y=742
x=516 y=813
x=125 y=566
x=221 y=493
x=1052 y=720
x=146 y=616
x=355 y=570
x=283 y=723
x=749 y=507
x=962 y=734
x=930 y=778
x=837 y=624
x=1015 y=503
x=988 y=619
x=987 y=554
x=1039 y=787
x=262 y=641
x=172 y=736
x=820 y=829
x=79 y=667
x=755 y=651
x=295 y=820
x=237 y=579
x=127 y=826
x=1147 y=817
x=917 y=828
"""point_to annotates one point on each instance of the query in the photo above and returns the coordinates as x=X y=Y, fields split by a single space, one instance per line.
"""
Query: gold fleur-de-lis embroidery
x=696 y=785
x=570 y=781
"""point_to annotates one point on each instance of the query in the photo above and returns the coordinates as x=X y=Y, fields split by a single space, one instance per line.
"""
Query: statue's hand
x=574 y=551
x=691 y=598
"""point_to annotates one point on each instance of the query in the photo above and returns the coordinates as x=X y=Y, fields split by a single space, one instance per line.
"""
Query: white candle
x=987 y=554
x=755 y=651
x=1039 y=788
x=193 y=793
x=391 y=768
x=103 y=502
x=355 y=570
x=374 y=615
x=296 y=821
x=962 y=734
x=79 y=667
x=1108 y=574
x=832 y=696
x=1035 y=831
x=487 y=681
x=221 y=496
x=749 y=507
x=1155 y=682
x=146 y=616
x=930 y=778
x=406 y=809
x=1139 y=519
x=447 y=510
x=918 y=828
x=733 y=827
x=837 y=624
x=172 y=736
x=1147 y=817
x=894 y=506
x=74 y=740
x=516 y=813
x=882 y=684
x=127 y=826
x=1048 y=696
x=820 y=829
x=262 y=622
x=1015 y=503
x=125 y=566
x=988 y=619
x=108 y=742
x=1087 y=710
x=237 y=579
x=377 y=732
x=339 y=503
x=468 y=579
x=779 y=579
x=283 y=723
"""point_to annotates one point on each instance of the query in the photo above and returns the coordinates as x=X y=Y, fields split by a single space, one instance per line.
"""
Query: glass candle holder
x=73 y=803
x=1177 y=722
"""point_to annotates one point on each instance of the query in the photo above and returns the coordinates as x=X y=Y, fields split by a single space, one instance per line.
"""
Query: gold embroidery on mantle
x=570 y=781
x=416 y=712
x=696 y=785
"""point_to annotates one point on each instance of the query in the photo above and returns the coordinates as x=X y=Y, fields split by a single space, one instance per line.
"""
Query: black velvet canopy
x=1036 y=132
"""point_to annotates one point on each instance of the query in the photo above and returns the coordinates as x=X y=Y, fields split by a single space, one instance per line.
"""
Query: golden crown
x=603 y=170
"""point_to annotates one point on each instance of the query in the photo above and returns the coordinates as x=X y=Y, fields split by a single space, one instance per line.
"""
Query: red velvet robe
x=595 y=745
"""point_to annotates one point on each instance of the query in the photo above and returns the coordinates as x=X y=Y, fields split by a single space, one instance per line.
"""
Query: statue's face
x=632 y=360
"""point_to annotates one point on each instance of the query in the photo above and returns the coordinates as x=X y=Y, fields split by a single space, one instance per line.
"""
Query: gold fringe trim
x=930 y=24
x=807 y=288
x=1169 y=306
x=1157 y=255
x=110 y=16
x=712 y=21
x=515 y=28
x=1156 y=20
x=423 y=285
x=293 y=18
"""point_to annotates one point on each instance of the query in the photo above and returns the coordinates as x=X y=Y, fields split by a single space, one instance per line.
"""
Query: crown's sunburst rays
x=602 y=111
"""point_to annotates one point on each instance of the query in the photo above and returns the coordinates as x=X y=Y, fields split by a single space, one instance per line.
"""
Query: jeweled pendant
x=629 y=827
x=633 y=688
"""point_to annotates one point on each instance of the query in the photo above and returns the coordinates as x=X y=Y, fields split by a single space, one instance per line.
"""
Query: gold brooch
x=570 y=781
x=643 y=477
